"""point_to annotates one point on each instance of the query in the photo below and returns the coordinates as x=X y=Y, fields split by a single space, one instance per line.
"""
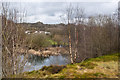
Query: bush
x=88 y=65
x=36 y=41
x=53 y=69
x=99 y=74
x=105 y=58
x=93 y=75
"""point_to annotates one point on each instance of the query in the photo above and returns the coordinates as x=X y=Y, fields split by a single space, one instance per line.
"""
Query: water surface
x=37 y=62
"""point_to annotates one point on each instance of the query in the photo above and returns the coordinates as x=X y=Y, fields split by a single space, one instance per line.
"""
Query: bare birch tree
x=79 y=19
x=13 y=39
x=69 y=14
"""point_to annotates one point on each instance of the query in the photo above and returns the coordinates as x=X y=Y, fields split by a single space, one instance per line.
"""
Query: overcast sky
x=50 y=12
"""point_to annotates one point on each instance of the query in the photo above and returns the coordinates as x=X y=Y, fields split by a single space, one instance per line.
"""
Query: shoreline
x=50 y=51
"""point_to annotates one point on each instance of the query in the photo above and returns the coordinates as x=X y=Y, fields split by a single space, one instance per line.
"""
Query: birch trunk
x=70 y=47
x=14 y=63
x=76 y=42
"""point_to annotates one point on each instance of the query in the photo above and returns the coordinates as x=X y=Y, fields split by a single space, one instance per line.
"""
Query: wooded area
x=86 y=37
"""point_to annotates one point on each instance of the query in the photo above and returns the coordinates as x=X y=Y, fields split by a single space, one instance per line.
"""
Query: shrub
x=88 y=65
x=63 y=76
x=93 y=75
x=36 y=41
x=99 y=74
x=53 y=69
x=105 y=58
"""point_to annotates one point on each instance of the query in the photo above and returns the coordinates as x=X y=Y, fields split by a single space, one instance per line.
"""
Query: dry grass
x=101 y=67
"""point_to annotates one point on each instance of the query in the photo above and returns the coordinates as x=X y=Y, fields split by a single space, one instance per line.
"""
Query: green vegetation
x=52 y=42
x=37 y=41
x=90 y=75
x=105 y=58
x=53 y=69
x=101 y=67
x=88 y=65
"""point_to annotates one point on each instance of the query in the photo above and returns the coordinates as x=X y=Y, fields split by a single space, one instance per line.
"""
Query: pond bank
x=50 y=51
x=101 y=67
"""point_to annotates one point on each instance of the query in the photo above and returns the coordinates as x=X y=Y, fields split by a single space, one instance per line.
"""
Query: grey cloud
x=49 y=12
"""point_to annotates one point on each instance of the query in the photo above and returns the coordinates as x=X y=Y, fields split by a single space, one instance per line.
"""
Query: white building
x=47 y=33
x=41 y=32
x=27 y=32
x=36 y=32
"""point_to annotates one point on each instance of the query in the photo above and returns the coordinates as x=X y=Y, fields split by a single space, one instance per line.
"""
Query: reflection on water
x=37 y=62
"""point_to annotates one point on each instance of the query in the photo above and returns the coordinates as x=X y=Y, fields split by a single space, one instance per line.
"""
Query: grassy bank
x=101 y=67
